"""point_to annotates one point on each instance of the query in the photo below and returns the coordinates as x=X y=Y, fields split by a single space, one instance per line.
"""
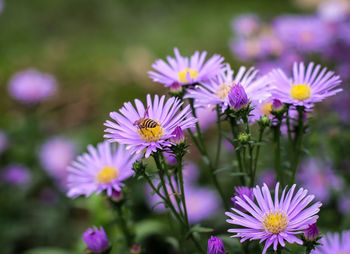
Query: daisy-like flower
x=102 y=168
x=274 y=221
x=334 y=244
x=184 y=70
x=149 y=128
x=216 y=91
x=307 y=86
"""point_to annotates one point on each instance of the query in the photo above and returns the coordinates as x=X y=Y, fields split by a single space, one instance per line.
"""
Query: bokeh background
x=99 y=53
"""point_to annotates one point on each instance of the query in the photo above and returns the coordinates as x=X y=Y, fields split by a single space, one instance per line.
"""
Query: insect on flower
x=146 y=124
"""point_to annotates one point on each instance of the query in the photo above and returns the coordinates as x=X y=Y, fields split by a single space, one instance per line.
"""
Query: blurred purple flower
x=268 y=177
x=246 y=24
x=96 y=239
x=206 y=117
x=305 y=33
x=201 y=202
x=215 y=246
x=55 y=156
x=16 y=174
x=319 y=178
x=333 y=243
x=31 y=86
x=344 y=203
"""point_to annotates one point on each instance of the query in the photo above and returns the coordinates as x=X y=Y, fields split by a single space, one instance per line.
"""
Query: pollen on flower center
x=300 y=92
x=266 y=109
x=275 y=222
x=151 y=134
x=107 y=175
x=223 y=91
x=182 y=75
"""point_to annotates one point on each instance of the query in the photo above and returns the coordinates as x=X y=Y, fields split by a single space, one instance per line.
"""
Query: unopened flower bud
x=117 y=196
x=176 y=88
x=243 y=137
x=96 y=239
x=265 y=120
x=178 y=136
x=311 y=232
x=135 y=249
x=237 y=97
x=277 y=106
x=215 y=246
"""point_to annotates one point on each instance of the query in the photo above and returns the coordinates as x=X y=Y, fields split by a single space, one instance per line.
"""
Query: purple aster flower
x=148 y=128
x=101 y=169
x=178 y=136
x=55 y=156
x=31 y=86
x=16 y=174
x=305 y=33
x=184 y=70
x=96 y=239
x=215 y=246
x=3 y=141
x=334 y=243
x=246 y=24
x=240 y=192
x=308 y=85
x=216 y=91
x=311 y=232
x=262 y=108
x=274 y=221
x=237 y=97
x=319 y=178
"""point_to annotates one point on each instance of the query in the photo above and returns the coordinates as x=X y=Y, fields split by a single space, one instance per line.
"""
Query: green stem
x=238 y=152
x=261 y=133
x=277 y=151
x=123 y=224
x=202 y=148
x=298 y=142
x=218 y=148
x=181 y=180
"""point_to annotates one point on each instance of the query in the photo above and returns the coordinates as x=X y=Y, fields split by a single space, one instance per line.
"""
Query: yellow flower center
x=275 y=223
x=182 y=75
x=107 y=175
x=300 y=92
x=223 y=91
x=151 y=134
x=266 y=109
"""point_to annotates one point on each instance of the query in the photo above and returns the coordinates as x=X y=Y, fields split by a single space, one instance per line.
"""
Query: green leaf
x=198 y=229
